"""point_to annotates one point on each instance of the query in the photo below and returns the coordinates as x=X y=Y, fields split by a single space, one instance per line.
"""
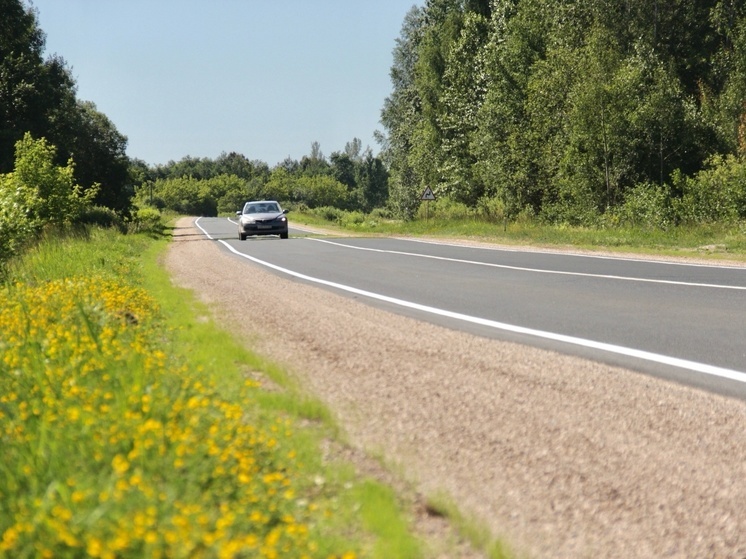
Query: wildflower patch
x=111 y=448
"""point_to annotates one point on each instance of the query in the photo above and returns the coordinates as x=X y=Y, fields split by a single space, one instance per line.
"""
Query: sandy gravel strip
x=564 y=458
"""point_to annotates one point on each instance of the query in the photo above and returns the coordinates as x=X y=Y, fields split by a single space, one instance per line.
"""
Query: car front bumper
x=264 y=228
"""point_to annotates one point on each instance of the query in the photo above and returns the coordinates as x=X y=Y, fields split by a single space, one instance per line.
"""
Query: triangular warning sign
x=428 y=194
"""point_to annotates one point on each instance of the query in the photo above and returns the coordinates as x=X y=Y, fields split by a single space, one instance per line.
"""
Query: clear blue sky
x=264 y=78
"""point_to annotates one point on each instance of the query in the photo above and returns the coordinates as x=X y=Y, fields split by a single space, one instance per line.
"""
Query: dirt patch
x=562 y=457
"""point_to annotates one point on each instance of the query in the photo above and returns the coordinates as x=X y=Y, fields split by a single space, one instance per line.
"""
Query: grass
x=131 y=426
x=471 y=529
x=713 y=241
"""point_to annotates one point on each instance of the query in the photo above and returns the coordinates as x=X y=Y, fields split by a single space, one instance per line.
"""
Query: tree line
x=575 y=111
x=590 y=112
x=352 y=179
x=38 y=98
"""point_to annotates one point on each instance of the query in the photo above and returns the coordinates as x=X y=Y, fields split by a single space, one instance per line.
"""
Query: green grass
x=715 y=241
x=121 y=402
x=471 y=529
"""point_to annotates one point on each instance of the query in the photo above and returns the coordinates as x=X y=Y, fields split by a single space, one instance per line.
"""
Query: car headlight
x=247 y=220
x=282 y=219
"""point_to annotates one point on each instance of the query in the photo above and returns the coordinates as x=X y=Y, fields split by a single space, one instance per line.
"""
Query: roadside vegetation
x=716 y=241
x=133 y=427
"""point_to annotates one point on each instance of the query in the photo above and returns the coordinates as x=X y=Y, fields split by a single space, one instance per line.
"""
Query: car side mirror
x=239 y=213
x=285 y=211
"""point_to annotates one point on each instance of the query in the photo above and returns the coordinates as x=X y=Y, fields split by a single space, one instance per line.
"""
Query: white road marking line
x=574 y=254
x=536 y=270
x=601 y=346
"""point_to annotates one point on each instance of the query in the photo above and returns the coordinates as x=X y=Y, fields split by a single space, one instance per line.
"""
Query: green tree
x=400 y=116
x=373 y=182
x=319 y=190
x=343 y=169
x=464 y=90
x=37 y=193
x=505 y=146
x=100 y=154
x=38 y=96
x=25 y=105
x=315 y=163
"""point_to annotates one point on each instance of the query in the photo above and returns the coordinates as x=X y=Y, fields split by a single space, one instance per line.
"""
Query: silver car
x=262 y=217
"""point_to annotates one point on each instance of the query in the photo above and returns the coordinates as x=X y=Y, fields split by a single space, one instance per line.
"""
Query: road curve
x=683 y=322
x=562 y=457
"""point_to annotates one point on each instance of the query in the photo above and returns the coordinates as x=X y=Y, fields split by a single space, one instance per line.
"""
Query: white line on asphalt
x=575 y=254
x=535 y=270
x=601 y=346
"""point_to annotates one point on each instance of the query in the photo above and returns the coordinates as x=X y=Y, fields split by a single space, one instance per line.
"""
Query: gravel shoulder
x=560 y=457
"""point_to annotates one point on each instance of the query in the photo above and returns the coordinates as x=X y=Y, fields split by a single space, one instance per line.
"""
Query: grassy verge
x=715 y=241
x=131 y=426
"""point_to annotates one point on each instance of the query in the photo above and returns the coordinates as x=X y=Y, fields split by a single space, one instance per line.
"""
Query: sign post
x=427 y=196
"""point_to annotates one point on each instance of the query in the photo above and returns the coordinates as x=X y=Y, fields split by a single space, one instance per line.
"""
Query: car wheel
x=241 y=237
x=283 y=235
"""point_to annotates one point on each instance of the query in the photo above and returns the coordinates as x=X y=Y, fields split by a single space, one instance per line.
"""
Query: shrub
x=716 y=194
x=147 y=220
x=16 y=228
x=101 y=216
x=444 y=208
x=381 y=214
x=349 y=219
x=491 y=208
x=647 y=205
x=37 y=193
x=329 y=213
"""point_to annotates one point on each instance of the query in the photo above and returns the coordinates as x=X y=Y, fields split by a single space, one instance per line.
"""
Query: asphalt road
x=677 y=321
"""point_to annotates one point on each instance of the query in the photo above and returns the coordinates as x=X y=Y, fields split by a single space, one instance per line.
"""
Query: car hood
x=263 y=216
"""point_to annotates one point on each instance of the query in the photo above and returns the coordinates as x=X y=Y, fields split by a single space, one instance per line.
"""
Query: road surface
x=682 y=322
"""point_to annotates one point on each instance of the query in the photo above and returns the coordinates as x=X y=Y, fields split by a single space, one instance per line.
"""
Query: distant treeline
x=576 y=111
x=586 y=112
x=350 y=180
x=38 y=96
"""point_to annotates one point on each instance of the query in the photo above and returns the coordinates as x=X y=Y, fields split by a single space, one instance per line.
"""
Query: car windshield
x=261 y=208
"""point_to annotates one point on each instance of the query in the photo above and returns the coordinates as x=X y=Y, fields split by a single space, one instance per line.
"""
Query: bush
x=350 y=219
x=101 y=216
x=16 y=228
x=328 y=213
x=716 y=194
x=444 y=208
x=36 y=194
x=647 y=205
x=381 y=214
x=147 y=220
x=491 y=209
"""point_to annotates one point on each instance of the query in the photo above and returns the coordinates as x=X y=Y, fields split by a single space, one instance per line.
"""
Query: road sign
x=428 y=194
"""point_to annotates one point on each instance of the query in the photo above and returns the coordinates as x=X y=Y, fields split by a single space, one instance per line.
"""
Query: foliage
x=566 y=111
x=318 y=190
x=101 y=216
x=715 y=194
x=147 y=458
x=161 y=446
x=38 y=96
x=647 y=205
x=36 y=194
x=202 y=186
x=147 y=220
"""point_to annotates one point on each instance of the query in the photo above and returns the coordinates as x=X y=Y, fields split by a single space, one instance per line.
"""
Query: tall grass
x=131 y=427
x=715 y=241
